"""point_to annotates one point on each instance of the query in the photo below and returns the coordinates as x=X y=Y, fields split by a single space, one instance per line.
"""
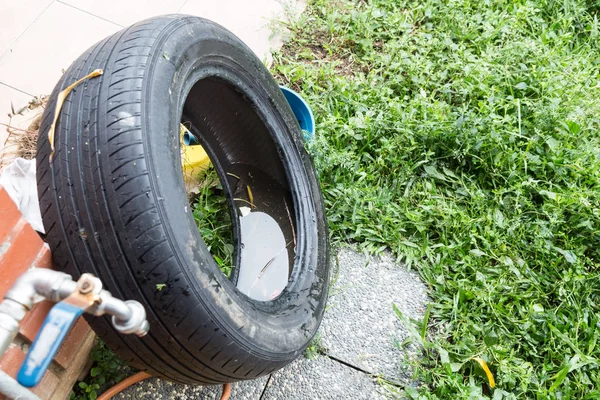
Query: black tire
x=114 y=204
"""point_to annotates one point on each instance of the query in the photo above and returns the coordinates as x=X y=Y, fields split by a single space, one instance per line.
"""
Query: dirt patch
x=319 y=48
x=342 y=63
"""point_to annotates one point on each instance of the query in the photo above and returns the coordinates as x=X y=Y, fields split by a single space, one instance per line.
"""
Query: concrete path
x=41 y=38
x=359 y=334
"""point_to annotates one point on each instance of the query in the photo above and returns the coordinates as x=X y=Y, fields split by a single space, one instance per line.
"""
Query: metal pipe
x=13 y=390
x=31 y=287
x=11 y=314
x=110 y=305
x=37 y=284
x=65 y=289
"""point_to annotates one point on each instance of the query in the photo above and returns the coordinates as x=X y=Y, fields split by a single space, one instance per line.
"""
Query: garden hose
x=140 y=376
x=124 y=384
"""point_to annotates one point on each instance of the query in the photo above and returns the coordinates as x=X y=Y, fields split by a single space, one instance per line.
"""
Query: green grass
x=212 y=216
x=464 y=136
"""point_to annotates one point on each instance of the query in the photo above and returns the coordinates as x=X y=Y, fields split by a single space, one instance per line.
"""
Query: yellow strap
x=59 y=103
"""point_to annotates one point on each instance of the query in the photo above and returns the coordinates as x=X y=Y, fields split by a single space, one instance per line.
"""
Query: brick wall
x=20 y=249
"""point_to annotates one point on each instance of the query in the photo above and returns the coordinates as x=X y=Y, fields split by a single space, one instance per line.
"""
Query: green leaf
x=425 y=322
x=571 y=365
x=444 y=358
x=521 y=86
x=491 y=339
x=538 y=308
x=433 y=172
x=477 y=252
x=412 y=393
x=455 y=367
x=499 y=218
x=569 y=255
x=551 y=195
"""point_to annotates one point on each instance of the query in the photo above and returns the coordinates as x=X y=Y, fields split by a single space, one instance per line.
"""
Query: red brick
x=20 y=249
x=45 y=389
x=33 y=320
x=12 y=360
x=11 y=364
x=9 y=213
x=43 y=259
x=23 y=247
x=72 y=343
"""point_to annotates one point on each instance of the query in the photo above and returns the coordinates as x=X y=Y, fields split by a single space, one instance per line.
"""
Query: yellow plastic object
x=487 y=371
x=194 y=160
x=60 y=99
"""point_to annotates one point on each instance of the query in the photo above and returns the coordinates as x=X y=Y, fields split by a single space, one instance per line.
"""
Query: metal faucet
x=74 y=298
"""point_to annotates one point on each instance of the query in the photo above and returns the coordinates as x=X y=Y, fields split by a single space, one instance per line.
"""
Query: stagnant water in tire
x=267 y=240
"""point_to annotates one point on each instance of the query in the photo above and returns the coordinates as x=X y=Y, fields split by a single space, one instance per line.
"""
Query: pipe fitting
x=136 y=323
x=11 y=315
x=107 y=304
x=38 y=284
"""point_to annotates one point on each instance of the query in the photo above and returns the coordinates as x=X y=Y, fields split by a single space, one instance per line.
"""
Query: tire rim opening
x=238 y=189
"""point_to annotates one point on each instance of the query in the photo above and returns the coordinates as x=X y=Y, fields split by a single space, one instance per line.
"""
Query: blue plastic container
x=302 y=112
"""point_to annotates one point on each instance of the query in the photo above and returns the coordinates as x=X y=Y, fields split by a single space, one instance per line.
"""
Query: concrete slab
x=255 y=22
x=56 y=38
x=360 y=326
x=321 y=378
x=16 y=17
x=127 y=12
x=155 y=388
x=18 y=99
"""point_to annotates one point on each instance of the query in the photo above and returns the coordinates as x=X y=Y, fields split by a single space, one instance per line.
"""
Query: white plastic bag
x=18 y=178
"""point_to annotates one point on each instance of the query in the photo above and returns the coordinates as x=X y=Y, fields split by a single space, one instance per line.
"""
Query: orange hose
x=226 y=391
x=124 y=384
x=140 y=376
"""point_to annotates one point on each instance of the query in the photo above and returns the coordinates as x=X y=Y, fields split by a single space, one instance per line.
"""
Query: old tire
x=114 y=203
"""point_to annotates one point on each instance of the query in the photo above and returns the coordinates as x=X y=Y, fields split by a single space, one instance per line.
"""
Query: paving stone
x=154 y=389
x=360 y=326
x=321 y=378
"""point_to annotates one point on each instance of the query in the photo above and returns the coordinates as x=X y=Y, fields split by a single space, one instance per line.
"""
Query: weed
x=315 y=348
x=212 y=216
x=107 y=370
x=466 y=140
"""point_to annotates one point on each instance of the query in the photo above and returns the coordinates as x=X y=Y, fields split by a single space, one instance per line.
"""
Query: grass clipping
x=467 y=141
x=23 y=142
